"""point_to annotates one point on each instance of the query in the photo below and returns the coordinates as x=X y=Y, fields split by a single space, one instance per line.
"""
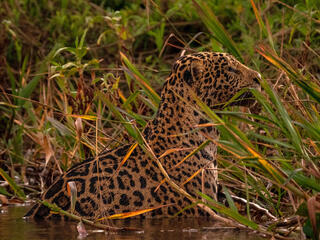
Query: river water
x=14 y=227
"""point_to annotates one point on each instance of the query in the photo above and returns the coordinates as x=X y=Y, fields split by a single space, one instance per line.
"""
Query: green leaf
x=64 y=131
x=216 y=28
x=304 y=181
x=308 y=86
x=28 y=89
x=229 y=199
x=83 y=37
x=12 y=184
x=285 y=120
x=4 y=191
x=229 y=212
x=12 y=79
x=141 y=80
x=302 y=210
x=271 y=140
x=308 y=230
x=128 y=126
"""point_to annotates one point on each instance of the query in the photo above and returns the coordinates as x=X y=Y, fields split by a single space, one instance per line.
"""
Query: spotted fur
x=104 y=188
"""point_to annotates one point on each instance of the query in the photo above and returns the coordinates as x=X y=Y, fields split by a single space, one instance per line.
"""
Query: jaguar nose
x=257 y=78
x=257 y=81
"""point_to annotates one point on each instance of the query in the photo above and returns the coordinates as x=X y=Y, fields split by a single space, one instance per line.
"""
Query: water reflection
x=13 y=227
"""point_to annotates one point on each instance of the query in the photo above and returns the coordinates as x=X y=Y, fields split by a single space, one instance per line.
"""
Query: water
x=14 y=227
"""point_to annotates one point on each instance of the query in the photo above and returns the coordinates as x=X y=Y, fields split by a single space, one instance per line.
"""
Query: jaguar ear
x=195 y=72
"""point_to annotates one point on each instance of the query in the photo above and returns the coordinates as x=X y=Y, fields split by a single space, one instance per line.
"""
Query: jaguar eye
x=230 y=69
x=256 y=80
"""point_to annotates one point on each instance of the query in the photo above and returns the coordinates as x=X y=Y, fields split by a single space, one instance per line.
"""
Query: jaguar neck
x=176 y=125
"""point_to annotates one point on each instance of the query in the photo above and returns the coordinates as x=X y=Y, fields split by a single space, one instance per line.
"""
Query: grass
x=79 y=77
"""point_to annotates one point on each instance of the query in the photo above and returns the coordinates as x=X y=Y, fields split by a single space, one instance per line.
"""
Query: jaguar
x=127 y=178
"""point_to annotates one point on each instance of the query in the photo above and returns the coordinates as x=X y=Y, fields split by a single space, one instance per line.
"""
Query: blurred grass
x=99 y=62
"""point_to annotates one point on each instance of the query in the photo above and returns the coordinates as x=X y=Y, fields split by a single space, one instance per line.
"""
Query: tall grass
x=75 y=84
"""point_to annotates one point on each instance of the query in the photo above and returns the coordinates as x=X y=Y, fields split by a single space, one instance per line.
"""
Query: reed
x=79 y=77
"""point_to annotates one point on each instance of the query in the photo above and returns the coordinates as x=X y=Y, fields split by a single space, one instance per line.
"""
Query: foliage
x=80 y=76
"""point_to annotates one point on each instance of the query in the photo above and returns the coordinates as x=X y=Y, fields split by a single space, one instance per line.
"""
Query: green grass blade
x=240 y=138
x=312 y=129
x=272 y=141
x=261 y=24
x=238 y=116
x=229 y=199
x=308 y=86
x=141 y=80
x=3 y=191
x=229 y=212
x=63 y=130
x=12 y=184
x=286 y=121
x=267 y=106
x=138 y=118
x=193 y=152
x=131 y=98
x=28 y=89
x=12 y=79
x=216 y=28
x=128 y=126
x=31 y=86
x=234 y=132
x=304 y=181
